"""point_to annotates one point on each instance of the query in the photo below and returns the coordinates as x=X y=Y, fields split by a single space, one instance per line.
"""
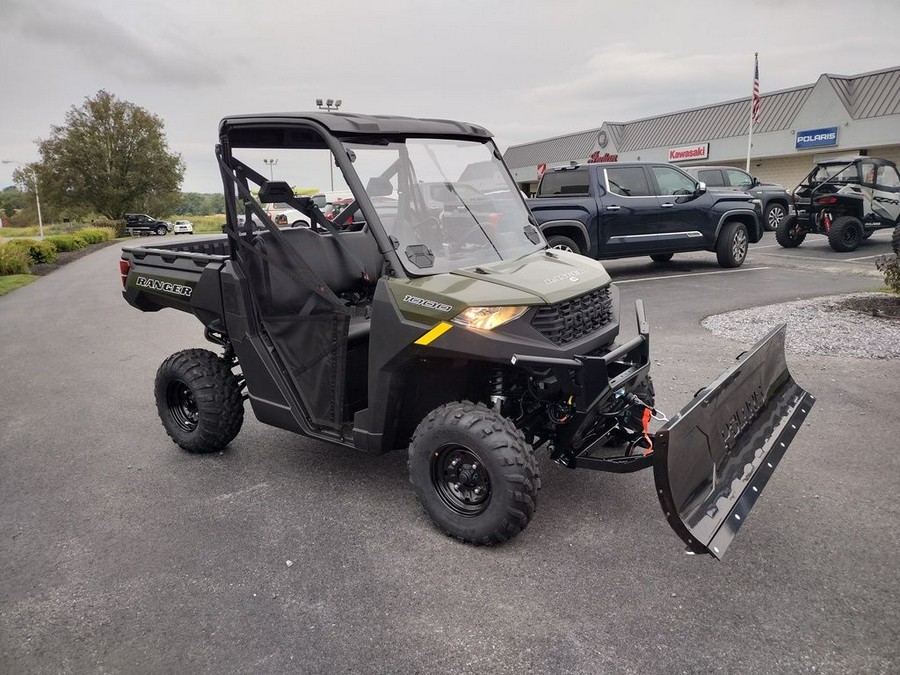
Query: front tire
x=845 y=234
x=661 y=257
x=787 y=235
x=775 y=213
x=895 y=240
x=474 y=473
x=199 y=400
x=161 y=230
x=731 y=248
x=562 y=243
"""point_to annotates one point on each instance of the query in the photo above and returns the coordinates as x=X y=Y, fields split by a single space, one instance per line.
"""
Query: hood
x=551 y=276
x=540 y=278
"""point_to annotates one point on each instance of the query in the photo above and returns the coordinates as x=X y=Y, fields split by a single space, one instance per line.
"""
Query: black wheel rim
x=851 y=235
x=182 y=406
x=461 y=480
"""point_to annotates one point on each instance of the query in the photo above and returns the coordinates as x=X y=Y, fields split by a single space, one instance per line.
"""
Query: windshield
x=437 y=220
x=840 y=172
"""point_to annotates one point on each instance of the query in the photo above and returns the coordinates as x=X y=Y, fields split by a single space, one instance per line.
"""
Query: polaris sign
x=816 y=138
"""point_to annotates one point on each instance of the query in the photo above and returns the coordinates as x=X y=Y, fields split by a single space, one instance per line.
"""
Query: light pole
x=37 y=197
x=329 y=105
x=270 y=163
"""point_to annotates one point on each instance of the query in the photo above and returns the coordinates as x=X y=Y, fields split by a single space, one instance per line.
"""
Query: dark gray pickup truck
x=775 y=199
x=617 y=210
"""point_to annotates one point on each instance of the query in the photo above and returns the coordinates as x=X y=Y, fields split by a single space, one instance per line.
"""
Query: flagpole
x=752 y=94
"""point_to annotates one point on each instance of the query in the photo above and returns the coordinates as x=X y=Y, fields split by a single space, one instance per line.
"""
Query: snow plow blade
x=713 y=459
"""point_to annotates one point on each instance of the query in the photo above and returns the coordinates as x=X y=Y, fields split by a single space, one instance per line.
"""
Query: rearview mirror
x=379 y=187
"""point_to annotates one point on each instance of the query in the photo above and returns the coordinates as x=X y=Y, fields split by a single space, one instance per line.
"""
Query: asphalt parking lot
x=121 y=553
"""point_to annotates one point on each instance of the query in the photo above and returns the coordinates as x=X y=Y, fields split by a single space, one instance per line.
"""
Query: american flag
x=755 y=110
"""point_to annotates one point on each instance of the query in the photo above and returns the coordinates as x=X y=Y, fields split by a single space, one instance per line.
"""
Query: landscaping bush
x=95 y=235
x=117 y=226
x=13 y=260
x=889 y=265
x=67 y=242
x=37 y=251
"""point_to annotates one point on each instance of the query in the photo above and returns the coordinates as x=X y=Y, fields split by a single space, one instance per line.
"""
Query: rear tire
x=775 y=213
x=560 y=242
x=661 y=257
x=732 y=245
x=199 y=400
x=895 y=240
x=786 y=233
x=845 y=234
x=474 y=473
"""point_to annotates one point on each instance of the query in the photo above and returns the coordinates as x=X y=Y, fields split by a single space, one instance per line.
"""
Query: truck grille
x=575 y=318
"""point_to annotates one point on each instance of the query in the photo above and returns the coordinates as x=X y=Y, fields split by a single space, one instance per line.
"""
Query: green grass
x=23 y=231
x=13 y=281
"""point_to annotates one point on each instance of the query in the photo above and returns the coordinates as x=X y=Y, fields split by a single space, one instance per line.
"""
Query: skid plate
x=715 y=456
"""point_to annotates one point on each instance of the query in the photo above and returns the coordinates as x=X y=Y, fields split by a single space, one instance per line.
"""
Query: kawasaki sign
x=687 y=152
x=816 y=138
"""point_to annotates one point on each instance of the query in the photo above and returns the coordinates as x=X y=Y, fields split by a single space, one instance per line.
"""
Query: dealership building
x=838 y=115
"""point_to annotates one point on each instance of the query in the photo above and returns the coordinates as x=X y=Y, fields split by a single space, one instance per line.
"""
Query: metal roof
x=869 y=95
x=558 y=149
x=722 y=120
x=866 y=95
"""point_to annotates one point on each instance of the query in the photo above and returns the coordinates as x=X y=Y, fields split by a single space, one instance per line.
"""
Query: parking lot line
x=865 y=257
x=692 y=274
x=801 y=258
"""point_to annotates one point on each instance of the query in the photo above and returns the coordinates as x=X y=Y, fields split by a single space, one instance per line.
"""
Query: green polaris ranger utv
x=430 y=315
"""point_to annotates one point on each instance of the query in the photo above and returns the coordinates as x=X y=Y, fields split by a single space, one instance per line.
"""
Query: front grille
x=573 y=319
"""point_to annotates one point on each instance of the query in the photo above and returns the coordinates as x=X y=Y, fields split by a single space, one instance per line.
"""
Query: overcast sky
x=525 y=69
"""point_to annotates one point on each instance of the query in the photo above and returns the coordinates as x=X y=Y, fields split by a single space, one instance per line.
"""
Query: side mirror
x=701 y=188
x=754 y=181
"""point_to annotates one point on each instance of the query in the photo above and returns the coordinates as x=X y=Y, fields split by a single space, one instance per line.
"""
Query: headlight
x=487 y=318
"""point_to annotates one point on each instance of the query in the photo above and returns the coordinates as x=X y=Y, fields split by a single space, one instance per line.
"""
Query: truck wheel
x=895 y=240
x=199 y=400
x=731 y=248
x=161 y=230
x=562 y=243
x=474 y=473
x=787 y=234
x=775 y=213
x=661 y=257
x=845 y=234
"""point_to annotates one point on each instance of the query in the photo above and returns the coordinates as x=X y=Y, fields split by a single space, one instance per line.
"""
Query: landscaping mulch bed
x=881 y=305
x=69 y=256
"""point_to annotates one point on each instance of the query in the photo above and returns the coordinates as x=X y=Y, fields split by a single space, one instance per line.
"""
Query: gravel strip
x=821 y=326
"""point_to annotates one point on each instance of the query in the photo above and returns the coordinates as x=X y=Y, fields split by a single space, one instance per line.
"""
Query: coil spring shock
x=497 y=397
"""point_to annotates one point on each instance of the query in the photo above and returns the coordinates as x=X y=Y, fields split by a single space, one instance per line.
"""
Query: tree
x=11 y=200
x=110 y=156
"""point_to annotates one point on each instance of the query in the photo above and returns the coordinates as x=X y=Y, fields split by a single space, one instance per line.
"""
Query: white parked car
x=183 y=227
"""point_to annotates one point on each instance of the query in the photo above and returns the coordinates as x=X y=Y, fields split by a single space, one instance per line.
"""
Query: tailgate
x=715 y=456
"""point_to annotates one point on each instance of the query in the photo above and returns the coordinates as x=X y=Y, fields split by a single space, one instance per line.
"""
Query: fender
x=577 y=224
x=725 y=216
